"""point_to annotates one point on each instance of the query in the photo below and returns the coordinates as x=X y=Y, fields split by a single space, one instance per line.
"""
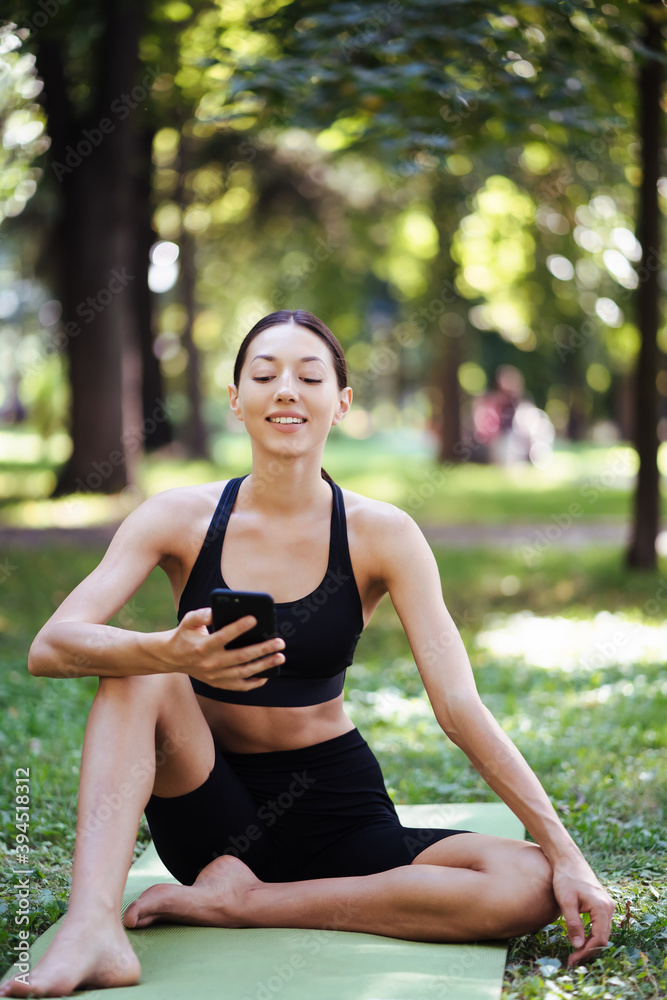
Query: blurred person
x=508 y=426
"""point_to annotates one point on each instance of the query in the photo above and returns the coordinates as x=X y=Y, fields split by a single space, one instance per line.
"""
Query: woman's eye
x=262 y=378
x=311 y=381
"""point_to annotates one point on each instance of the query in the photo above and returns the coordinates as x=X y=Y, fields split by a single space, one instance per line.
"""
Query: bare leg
x=465 y=888
x=130 y=717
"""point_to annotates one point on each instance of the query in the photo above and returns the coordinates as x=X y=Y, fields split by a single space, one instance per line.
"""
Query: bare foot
x=79 y=957
x=215 y=900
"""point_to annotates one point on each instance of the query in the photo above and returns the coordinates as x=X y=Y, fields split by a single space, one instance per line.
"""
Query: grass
x=603 y=762
x=598 y=479
x=595 y=733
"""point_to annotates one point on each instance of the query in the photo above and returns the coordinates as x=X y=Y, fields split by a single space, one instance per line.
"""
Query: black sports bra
x=320 y=630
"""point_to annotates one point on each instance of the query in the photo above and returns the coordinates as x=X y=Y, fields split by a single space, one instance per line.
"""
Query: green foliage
x=21 y=124
x=613 y=801
x=281 y=129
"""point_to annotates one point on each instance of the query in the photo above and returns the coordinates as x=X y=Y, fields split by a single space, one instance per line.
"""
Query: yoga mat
x=212 y=963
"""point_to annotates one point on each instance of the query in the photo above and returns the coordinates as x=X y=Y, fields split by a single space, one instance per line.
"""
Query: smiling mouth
x=286 y=420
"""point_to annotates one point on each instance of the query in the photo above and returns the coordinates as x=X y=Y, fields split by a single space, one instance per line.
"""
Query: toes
x=137 y=919
x=152 y=905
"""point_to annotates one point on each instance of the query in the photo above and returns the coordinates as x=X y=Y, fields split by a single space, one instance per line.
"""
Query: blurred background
x=470 y=196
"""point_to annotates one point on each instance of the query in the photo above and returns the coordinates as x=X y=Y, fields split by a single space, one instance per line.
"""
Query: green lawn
x=399 y=468
x=595 y=731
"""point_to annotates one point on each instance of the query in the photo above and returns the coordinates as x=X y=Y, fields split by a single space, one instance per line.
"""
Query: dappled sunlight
x=390 y=705
x=398 y=467
x=73 y=511
x=25 y=447
x=34 y=483
x=568 y=645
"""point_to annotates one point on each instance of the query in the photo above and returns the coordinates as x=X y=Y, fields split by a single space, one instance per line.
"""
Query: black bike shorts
x=315 y=812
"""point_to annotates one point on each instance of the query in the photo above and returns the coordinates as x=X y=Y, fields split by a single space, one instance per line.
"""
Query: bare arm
x=412 y=579
x=77 y=642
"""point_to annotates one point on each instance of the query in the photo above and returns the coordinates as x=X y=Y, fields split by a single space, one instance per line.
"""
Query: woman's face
x=288 y=395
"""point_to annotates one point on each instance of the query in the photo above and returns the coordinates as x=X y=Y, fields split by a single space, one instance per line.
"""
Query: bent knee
x=146 y=685
x=533 y=902
x=533 y=865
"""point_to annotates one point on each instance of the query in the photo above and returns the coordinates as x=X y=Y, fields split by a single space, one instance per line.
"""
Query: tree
x=92 y=144
x=642 y=551
x=97 y=185
x=376 y=77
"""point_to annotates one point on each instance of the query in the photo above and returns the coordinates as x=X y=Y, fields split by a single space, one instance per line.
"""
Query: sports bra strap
x=339 y=551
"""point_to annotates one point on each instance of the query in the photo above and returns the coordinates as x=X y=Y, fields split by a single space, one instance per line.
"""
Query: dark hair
x=298 y=317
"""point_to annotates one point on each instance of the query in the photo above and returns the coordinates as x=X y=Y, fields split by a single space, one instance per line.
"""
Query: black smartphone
x=230 y=605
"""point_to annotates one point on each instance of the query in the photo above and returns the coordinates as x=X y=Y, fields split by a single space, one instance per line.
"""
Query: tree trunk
x=642 y=551
x=92 y=160
x=195 y=435
x=450 y=428
x=156 y=425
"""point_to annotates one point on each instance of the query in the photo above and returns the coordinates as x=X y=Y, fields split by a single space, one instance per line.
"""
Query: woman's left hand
x=577 y=891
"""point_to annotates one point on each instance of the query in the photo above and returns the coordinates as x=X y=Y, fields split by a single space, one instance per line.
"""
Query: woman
x=250 y=783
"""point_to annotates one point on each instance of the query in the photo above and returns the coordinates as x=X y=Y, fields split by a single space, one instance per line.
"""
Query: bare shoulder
x=168 y=520
x=371 y=516
x=188 y=499
x=380 y=532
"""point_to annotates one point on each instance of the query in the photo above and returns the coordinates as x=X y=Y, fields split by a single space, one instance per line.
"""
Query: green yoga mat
x=212 y=963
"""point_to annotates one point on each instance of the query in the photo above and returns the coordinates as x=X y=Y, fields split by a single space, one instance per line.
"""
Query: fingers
x=234 y=629
x=244 y=654
x=197 y=618
x=209 y=658
x=247 y=662
x=573 y=921
x=236 y=668
x=589 y=947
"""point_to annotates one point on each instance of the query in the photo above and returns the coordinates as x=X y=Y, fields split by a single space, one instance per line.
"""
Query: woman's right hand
x=192 y=649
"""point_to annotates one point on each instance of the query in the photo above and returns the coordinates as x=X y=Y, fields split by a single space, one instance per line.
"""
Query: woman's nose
x=286 y=388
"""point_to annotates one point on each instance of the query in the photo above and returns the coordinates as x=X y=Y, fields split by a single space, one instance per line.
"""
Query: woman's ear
x=234 y=404
x=344 y=404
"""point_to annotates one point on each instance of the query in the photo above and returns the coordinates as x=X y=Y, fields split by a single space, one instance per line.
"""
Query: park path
x=514 y=535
